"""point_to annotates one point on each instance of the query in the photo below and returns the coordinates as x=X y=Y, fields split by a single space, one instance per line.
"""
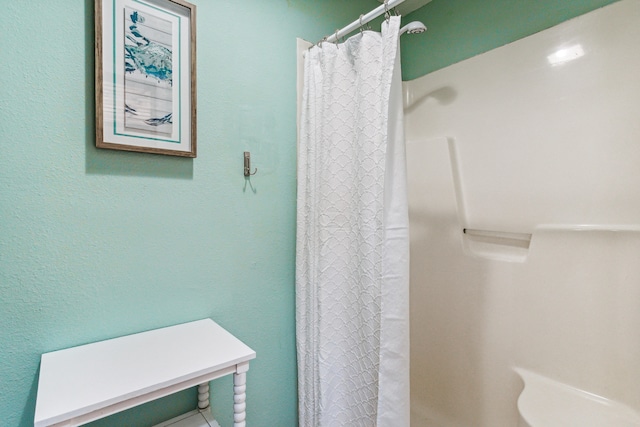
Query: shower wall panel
x=539 y=138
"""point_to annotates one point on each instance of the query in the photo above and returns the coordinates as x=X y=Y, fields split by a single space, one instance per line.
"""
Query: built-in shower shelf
x=501 y=237
x=550 y=403
x=498 y=245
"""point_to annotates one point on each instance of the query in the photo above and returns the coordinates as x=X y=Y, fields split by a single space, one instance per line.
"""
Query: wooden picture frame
x=146 y=76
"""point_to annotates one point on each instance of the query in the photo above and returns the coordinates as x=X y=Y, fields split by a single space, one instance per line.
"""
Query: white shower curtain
x=352 y=272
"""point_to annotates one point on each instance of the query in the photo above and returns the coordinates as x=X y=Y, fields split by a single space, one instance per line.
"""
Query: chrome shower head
x=415 y=27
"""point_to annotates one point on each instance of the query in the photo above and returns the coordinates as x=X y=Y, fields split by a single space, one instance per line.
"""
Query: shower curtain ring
x=361 y=24
x=337 y=42
x=387 y=15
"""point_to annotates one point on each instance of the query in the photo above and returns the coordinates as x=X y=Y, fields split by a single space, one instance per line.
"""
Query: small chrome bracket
x=247 y=165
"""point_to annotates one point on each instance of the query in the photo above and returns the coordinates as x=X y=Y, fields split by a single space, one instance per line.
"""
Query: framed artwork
x=146 y=76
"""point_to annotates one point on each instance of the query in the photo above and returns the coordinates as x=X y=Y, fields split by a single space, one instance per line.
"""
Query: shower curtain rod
x=380 y=10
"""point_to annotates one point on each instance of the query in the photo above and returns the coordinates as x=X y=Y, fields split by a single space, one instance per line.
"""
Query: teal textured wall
x=460 y=29
x=95 y=244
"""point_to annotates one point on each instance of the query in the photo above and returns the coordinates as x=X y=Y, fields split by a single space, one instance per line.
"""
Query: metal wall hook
x=247 y=164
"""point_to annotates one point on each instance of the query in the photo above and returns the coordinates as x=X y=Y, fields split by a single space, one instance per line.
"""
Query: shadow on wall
x=447 y=345
x=448 y=294
x=30 y=407
x=114 y=162
x=443 y=96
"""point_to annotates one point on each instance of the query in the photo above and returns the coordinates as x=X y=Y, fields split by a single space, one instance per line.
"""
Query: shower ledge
x=497 y=245
x=548 y=403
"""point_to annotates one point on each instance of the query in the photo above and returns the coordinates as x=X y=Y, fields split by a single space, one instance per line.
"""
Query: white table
x=89 y=382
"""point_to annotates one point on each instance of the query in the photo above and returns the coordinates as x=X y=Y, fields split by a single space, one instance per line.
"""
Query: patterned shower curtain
x=352 y=272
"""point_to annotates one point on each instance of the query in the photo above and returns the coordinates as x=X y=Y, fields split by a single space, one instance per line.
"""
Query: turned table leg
x=203 y=396
x=240 y=396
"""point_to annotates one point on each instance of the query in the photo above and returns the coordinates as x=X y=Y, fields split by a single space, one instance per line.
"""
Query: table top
x=83 y=379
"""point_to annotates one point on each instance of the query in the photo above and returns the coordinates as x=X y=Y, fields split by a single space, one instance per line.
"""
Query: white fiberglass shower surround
x=532 y=316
